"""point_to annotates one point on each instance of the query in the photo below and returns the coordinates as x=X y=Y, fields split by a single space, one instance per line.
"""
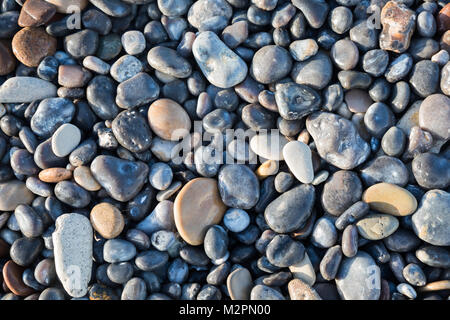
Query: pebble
x=168 y=120
x=30 y=223
x=295 y=101
x=350 y=241
x=377 y=226
x=72 y=242
x=433 y=256
x=169 y=62
x=269 y=146
x=118 y=250
x=407 y=290
x=72 y=194
x=315 y=72
x=221 y=66
x=82 y=43
x=132 y=131
x=358 y=278
x=283 y=252
x=324 y=234
x=315 y=11
x=424 y=78
x=402 y=240
x=126 y=67
x=344 y=54
x=133 y=42
x=54 y=175
x=65 y=139
x=14 y=193
x=148 y=260
x=239 y=284
x=107 y=220
x=25 y=89
x=330 y=262
x=210 y=15
x=431 y=171
x=414 y=275
x=299 y=290
x=31 y=45
x=216 y=244
x=7 y=60
x=393 y=141
x=137 y=91
x=298 y=158
x=430 y=221
x=358 y=100
x=270 y=63
x=385 y=169
x=100 y=94
x=83 y=176
x=390 y=198
x=122 y=179
x=192 y=218
x=434 y=113
x=236 y=220
x=290 y=210
x=12 y=275
x=244 y=195
x=134 y=289
x=263 y=292
x=328 y=131
x=235 y=34
x=24 y=251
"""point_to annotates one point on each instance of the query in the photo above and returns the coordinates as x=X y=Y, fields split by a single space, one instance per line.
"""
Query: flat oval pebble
x=391 y=199
x=193 y=217
x=269 y=146
x=107 y=220
x=239 y=284
x=26 y=89
x=65 y=139
x=377 y=226
x=169 y=62
x=168 y=119
x=31 y=45
x=14 y=193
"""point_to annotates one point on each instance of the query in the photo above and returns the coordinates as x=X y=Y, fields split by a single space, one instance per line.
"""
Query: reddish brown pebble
x=35 y=13
x=73 y=76
x=12 y=275
x=7 y=59
x=31 y=45
x=54 y=175
x=443 y=19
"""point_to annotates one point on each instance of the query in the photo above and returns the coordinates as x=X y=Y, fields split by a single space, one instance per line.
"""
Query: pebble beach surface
x=224 y=149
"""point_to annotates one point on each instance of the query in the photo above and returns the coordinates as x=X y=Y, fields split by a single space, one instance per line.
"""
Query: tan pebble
x=107 y=220
x=55 y=175
x=71 y=76
x=197 y=207
x=83 y=176
x=436 y=286
x=299 y=290
x=304 y=271
x=304 y=136
x=239 y=284
x=390 y=198
x=377 y=226
x=268 y=168
x=31 y=45
x=168 y=120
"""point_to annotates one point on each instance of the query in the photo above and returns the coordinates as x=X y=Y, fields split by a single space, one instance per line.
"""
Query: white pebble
x=298 y=158
x=65 y=139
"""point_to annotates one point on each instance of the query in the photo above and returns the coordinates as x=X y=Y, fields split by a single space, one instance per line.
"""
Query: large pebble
x=65 y=139
x=434 y=115
x=14 y=193
x=31 y=45
x=168 y=119
x=298 y=158
x=268 y=145
x=239 y=284
x=132 y=132
x=168 y=61
x=26 y=89
x=50 y=114
x=107 y=220
x=270 y=64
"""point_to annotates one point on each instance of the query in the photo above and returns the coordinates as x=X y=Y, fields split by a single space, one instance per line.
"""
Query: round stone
x=7 y=59
x=324 y=233
x=358 y=100
x=385 y=169
x=160 y=176
x=315 y=72
x=107 y=220
x=132 y=132
x=169 y=62
x=344 y=54
x=133 y=42
x=390 y=198
x=431 y=171
x=302 y=50
x=216 y=244
x=31 y=45
x=82 y=43
x=83 y=176
x=54 y=175
x=14 y=193
x=51 y=114
x=263 y=292
x=298 y=158
x=118 y=250
x=434 y=115
x=393 y=142
x=168 y=119
x=270 y=63
x=283 y=251
x=126 y=67
x=197 y=207
x=65 y=139
x=236 y=220
x=239 y=284
x=377 y=226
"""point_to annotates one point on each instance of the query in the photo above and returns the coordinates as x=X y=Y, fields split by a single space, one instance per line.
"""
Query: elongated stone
x=298 y=158
x=26 y=89
x=390 y=198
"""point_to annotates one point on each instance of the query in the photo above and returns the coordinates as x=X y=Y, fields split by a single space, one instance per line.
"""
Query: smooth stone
x=236 y=220
x=239 y=284
x=299 y=290
x=291 y=210
x=282 y=251
x=132 y=131
x=315 y=11
x=168 y=61
x=31 y=45
x=434 y=115
x=298 y=158
x=304 y=271
x=402 y=240
x=329 y=265
x=377 y=226
x=191 y=220
x=359 y=278
x=329 y=131
x=122 y=179
x=431 y=220
x=55 y=175
x=235 y=34
x=133 y=42
x=316 y=72
x=358 y=100
x=340 y=192
x=390 y=198
x=8 y=24
x=296 y=101
x=82 y=43
x=12 y=276
x=72 y=194
x=22 y=162
x=51 y=114
x=151 y=260
x=65 y=139
x=107 y=220
x=424 y=78
x=256 y=117
x=83 y=176
x=96 y=64
x=72 y=240
x=375 y=62
x=263 y=292
x=437 y=257
x=268 y=145
x=302 y=50
x=168 y=120
x=216 y=243
x=160 y=176
x=7 y=60
x=345 y=54
x=431 y=171
x=118 y=250
x=414 y=275
x=324 y=233
x=14 y=193
x=244 y=195
x=24 y=251
x=385 y=169
x=161 y=218
x=30 y=223
x=220 y=65
x=393 y=142
x=350 y=241
x=26 y=89
x=100 y=94
x=109 y=47
x=354 y=79
x=270 y=63
x=209 y=14
x=126 y=67
x=120 y=272
x=136 y=91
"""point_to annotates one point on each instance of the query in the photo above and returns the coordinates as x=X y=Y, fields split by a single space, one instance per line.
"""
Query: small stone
x=402 y=240
x=330 y=262
x=12 y=275
x=168 y=119
x=31 y=45
x=236 y=220
x=55 y=175
x=434 y=115
x=96 y=64
x=433 y=256
x=358 y=278
x=65 y=139
x=209 y=14
x=298 y=158
x=72 y=242
x=262 y=292
x=393 y=142
x=100 y=94
x=315 y=72
x=30 y=223
x=14 y=193
x=25 y=89
x=136 y=91
x=431 y=220
x=122 y=179
x=431 y=171
x=385 y=169
x=235 y=34
x=296 y=101
x=82 y=43
x=443 y=19
x=35 y=13
x=364 y=34
x=107 y=220
x=193 y=217
x=299 y=290
x=390 y=198
x=83 y=176
x=168 y=61
x=344 y=54
x=133 y=42
x=118 y=250
x=72 y=194
x=329 y=131
x=239 y=284
x=283 y=252
x=304 y=271
x=354 y=79
x=131 y=130
x=414 y=275
x=50 y=114
x=302 y=50
x=375 y=62
x=71 y=76
x=398 y=27
x=407 y=290
x=109 y=47
x=221 y=66
x=269 y=146
x=244 y=195
x=324 y=233
x=126 y=67
x=8 y=24
x=216 y=244
x=24 y=251
x=290 y=210
x=424 y=78
x=315 y=11
x=358 y=100
x=377 y=226
x=160 y=176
